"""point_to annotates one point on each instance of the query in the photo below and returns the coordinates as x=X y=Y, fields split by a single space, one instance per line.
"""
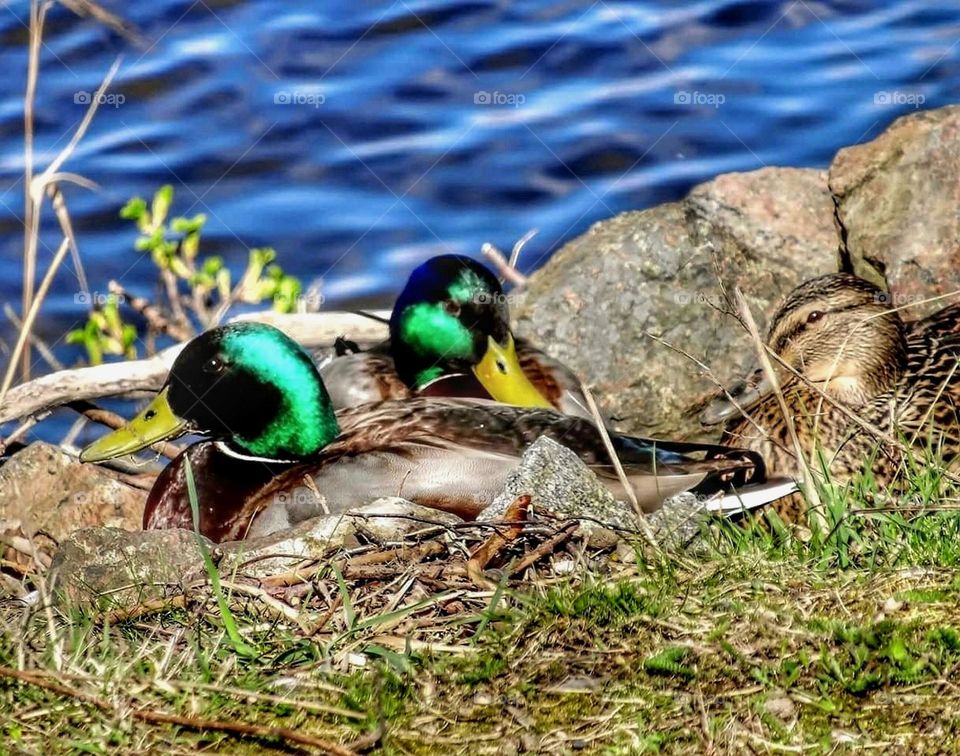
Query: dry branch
x=42 y=680
x=62 y=387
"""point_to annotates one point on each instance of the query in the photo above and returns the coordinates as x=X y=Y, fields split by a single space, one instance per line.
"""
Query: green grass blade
x=240 y=646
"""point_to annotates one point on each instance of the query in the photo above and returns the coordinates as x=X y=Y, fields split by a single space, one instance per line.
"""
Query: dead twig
x=152 y=606
x=503 y=266
x=43 y=680
x=545 y=548
x=111 y=20
x=514 y=517
x=150 y=312
x=615 y=461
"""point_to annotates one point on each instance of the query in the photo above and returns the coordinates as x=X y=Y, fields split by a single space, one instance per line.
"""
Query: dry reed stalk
x=811 y=488
x=31 y=315
x=615 y=460
x=36 y=186
x=38 y=12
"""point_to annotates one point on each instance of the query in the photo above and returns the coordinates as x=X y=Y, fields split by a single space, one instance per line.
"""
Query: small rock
x=678 y=520
x=108 y=568
x=891 y=606
x=47 y=490
x=357 y=660
x=558 y=481
x=781 y=706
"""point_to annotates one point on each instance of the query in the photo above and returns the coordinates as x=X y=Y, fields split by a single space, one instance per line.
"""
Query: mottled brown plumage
x=843 y=336
x=371 y=376
x=449 y=454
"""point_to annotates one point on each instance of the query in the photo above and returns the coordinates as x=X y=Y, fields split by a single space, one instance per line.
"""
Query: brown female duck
x=866 y=378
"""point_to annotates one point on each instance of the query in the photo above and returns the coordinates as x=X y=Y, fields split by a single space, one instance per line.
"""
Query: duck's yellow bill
x=501 y=375
x=157 y=422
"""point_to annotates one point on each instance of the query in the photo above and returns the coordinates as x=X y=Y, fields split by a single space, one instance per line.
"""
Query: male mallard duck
x=278 y=454
x=450 y=336
x=842 y=335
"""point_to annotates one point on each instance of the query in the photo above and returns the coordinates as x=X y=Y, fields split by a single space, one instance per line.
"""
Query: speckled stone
x=47 y=490
x=596 y=303
x=900 y=203
x=559 y=482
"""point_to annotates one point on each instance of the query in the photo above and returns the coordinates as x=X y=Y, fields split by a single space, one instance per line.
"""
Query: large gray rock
x=108 y=568
x=900 y=204
x=659 y=271
x=46 y=490
x=559 y=482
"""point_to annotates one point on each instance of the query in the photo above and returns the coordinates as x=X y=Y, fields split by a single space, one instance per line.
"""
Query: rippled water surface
x=360 y=138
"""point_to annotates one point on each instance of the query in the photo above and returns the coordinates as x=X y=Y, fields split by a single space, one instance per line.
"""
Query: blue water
x=442 y=124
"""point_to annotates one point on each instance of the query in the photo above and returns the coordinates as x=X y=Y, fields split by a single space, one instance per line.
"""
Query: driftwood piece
x=319 y=329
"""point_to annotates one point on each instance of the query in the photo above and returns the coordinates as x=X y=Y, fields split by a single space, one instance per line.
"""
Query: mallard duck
x=278 y=454
x=450 y=336
x=842 y=335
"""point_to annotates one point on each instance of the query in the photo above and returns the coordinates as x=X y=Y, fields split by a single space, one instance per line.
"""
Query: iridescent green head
x=246 y=383
x=452 y=318
x=443 y=319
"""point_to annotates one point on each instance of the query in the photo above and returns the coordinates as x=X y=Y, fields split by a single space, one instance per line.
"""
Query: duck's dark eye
x=214 y=365
x=451 y=306
x=814 y=316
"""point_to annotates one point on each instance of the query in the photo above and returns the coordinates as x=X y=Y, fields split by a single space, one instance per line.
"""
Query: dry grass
x=843 y=639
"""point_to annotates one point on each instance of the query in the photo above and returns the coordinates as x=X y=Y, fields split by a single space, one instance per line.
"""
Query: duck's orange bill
x=156 y=422
x=501 y=375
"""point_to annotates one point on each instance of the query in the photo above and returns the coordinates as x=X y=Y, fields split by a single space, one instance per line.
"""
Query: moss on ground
x=841 y=639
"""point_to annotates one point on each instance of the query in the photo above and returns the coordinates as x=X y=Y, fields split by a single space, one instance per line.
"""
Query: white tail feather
x=751 y=497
